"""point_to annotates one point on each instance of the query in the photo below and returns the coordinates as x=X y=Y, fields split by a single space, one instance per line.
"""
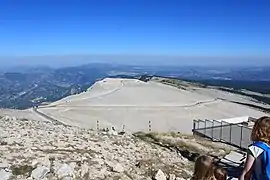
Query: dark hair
x=220 y=174
x=261 y=130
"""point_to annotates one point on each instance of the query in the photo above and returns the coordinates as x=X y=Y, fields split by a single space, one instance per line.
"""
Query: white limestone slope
x=132 y=104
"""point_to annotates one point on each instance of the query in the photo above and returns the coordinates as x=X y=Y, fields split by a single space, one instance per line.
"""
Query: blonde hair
x=220 y=174
x=261 y=130
x=204 y=169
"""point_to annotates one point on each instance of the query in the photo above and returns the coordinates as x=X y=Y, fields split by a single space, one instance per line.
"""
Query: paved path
x=128 y=105
x=48 y=117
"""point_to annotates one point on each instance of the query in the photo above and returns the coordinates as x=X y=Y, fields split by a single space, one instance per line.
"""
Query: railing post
x=230 y=133
x=212 y=133
x=150 y=126
x=97 y=125
x=241 y=136
x=221 y=129
x=205 y=127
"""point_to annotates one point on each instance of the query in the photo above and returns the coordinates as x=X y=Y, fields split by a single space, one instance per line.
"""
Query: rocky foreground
x=46 y=150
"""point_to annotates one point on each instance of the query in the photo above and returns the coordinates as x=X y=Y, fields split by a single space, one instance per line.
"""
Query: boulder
x=6 y=118
x=4 y=165
x=72 y=165
x=172 y=177
x=118 y=168
x=34 y=163
x=45 y=161
x=67 y=178
x=84 y=169
x=4 y=175
x=40 y=172
x=64 y=171
x=159 y=175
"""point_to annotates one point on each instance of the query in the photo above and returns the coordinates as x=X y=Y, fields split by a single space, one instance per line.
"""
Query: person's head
x=220 y=174
x=261 y=130
x=203 y=169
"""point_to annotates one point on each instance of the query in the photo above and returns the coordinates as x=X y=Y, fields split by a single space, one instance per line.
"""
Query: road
x=51 y=119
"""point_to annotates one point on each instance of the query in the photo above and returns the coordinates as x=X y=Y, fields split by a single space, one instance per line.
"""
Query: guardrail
x=234 y=134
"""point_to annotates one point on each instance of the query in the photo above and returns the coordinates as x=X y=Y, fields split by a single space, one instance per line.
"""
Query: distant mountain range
x=24 y=87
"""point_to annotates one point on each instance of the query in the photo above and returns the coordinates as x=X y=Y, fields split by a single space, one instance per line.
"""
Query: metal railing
x=235 y=134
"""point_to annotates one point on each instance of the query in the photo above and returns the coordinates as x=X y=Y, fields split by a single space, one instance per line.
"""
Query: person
x=257 y=166
x=203 y=169
x=220 y=173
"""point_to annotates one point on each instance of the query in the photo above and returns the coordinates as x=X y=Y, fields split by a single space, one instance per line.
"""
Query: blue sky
x=132 y=27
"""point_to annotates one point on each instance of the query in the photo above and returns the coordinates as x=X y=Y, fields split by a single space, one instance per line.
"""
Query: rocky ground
x=46 y=150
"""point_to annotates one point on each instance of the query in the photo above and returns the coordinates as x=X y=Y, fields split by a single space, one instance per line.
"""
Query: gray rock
x=84 y=169
x=160 y=175
x=4 y=175
x=67 y=178
x=76 y=153
x=4 y=165
x=45 y=161
x=172 y=177
x=72 y=165
x=34 y=163
x=64 y=171
x=6 y=118
x=118 y=168
x=40 y=172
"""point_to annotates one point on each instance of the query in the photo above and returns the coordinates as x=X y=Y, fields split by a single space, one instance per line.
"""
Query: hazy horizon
x=147 y=60
x=172 y=32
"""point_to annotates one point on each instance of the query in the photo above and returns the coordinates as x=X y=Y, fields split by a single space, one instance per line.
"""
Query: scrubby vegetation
x=188 y=145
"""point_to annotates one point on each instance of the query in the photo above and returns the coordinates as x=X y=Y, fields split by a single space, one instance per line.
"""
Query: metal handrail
x=227 y=136
x=220 y=126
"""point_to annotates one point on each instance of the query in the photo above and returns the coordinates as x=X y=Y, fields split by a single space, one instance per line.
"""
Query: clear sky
x=132 y=27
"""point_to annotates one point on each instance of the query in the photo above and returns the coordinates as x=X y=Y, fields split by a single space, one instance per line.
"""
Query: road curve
x=51 y=119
